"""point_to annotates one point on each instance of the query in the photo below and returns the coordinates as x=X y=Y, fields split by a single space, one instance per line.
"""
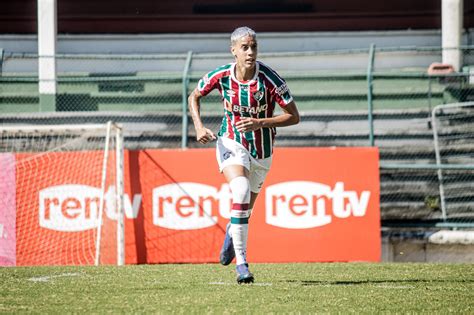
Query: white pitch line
x=48 y=278
x=264 y=284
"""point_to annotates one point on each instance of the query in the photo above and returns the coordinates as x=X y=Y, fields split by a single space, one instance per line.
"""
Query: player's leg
x=239 y=192
x=234 y=163
x=257 y=174
x=237 y=177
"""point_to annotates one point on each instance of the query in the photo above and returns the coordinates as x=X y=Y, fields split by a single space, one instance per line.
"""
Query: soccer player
x=249 y=90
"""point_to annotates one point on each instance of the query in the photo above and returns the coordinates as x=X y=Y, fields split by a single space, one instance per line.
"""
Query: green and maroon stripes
x=246 y=97
x=239 y=220
x=235 y=86
x=211 y=80
x=255 y=98
x=239 y=213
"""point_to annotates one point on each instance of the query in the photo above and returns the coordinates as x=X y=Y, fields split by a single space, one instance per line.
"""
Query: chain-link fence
x=382 y=97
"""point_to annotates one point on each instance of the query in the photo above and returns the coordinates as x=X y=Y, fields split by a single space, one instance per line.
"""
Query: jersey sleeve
x=281 y=93
x=208 y=83
x=279 y=90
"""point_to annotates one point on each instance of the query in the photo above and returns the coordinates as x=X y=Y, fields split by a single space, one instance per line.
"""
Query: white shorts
x=230 y=152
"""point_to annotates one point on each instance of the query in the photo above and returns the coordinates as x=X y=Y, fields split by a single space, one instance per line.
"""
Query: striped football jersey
x=254 y=98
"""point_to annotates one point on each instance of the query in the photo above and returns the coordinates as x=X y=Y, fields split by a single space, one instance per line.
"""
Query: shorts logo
x=258 y=95
x=226 y=155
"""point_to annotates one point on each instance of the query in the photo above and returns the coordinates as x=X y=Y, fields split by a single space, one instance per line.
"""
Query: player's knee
x=240 y=187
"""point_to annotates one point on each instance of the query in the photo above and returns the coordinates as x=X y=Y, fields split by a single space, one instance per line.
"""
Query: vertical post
x=452 y=25
x=102 y=194
x=430 y=94
x=438 y=163
x=1 y=73
x=370 y=67
x=47 y=30
x=187 y=66
x=119 y=151
x=1 y=61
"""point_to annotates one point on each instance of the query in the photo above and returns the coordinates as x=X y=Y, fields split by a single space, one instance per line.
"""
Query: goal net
x=61 y=195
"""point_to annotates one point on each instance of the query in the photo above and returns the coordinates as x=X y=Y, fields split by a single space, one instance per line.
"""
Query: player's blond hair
x=241 y=32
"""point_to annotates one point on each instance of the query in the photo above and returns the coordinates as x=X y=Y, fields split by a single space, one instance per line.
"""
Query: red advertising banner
x=57 y=209
x=317 y=204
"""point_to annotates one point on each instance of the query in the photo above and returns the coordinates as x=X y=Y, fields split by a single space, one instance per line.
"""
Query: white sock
x=240 y=213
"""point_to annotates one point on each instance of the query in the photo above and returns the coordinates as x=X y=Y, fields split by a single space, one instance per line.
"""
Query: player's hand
x=248 y=124
x=204 y=135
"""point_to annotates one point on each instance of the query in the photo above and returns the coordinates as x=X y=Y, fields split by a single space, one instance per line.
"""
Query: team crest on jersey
x=258 y=96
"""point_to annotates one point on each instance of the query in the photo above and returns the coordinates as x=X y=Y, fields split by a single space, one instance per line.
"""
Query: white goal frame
x=112 y=130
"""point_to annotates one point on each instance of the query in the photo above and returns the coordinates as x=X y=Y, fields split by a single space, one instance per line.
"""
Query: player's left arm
x=289 y=117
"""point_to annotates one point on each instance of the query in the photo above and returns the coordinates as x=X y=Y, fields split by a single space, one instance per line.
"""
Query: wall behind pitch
x=318 y=204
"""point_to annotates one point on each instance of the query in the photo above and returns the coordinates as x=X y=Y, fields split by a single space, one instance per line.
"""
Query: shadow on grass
x=364 y=282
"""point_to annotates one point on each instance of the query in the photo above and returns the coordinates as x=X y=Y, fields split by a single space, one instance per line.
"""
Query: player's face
x=245 y=51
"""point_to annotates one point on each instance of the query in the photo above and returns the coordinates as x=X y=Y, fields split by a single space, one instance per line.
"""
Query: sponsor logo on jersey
x=249 y=109
x=302 y=204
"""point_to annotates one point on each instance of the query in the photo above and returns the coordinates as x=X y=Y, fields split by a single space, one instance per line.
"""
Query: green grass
x=279 y=288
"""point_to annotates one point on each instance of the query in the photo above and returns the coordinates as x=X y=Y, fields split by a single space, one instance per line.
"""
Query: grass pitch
x=279 y=288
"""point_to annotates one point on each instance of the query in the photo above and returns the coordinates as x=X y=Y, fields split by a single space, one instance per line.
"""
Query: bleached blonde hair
x=241 y=32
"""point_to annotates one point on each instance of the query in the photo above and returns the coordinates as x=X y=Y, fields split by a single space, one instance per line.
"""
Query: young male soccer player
x=249 y=92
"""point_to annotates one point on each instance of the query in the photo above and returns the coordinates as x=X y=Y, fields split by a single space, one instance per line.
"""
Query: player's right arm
x=203 y=134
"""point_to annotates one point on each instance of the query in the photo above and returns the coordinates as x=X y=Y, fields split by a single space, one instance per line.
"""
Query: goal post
x=62 y=190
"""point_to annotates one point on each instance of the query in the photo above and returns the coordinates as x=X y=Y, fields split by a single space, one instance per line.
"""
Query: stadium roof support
x=452 y=24
x=47 y=33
